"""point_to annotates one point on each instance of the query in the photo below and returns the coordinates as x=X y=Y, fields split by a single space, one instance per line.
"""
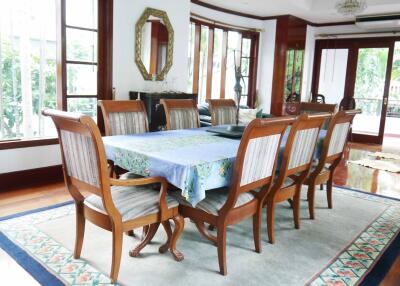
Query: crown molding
x=264 y=18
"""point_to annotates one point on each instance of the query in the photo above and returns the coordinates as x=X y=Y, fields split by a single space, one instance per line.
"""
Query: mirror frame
x=138 y=43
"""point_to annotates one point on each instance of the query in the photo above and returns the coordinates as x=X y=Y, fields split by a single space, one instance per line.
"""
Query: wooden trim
x=105 y=55
x=210 y=58
x=223 y=63
x=33 y=177
x=196 y=58
x=15 y=144
x=61 y=56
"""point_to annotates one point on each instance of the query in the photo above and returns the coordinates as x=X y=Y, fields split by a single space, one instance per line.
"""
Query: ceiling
x=317 y=11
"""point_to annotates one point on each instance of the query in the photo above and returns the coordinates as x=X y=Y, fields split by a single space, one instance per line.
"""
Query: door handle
x=385 y=101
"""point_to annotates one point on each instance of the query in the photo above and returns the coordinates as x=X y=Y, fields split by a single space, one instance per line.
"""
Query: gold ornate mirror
x=154 y=44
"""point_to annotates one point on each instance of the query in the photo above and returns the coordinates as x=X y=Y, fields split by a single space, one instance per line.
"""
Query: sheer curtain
x=27 y=67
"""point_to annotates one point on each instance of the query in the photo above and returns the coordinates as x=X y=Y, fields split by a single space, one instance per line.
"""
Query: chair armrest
x=147 y=181
x=137 y=182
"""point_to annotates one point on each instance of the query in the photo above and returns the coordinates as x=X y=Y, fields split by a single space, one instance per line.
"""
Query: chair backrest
x=318 y=98
x=311 y=107
x=223 y=111
x=83 y=156
x=123 y=117
x=300 y=145
x=181 y=113
x=336 y=137
x=347 y=103
x=257 y=155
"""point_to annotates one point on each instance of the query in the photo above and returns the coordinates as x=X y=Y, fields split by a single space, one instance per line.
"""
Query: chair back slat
x=260 y=158
x=223 y=111
x=339 y=138
x=80 y=157
x=181 y=113
x=224 y=115
x=303 y=147
x=122 y=123
x=122 y=117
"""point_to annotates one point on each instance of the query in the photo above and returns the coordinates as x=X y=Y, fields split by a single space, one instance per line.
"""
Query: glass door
x=370 y=93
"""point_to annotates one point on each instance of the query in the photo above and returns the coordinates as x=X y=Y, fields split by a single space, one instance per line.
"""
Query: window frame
x=104 y=68
x=253 y=58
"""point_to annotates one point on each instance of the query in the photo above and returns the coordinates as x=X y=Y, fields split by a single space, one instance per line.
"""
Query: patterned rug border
x=375 y=271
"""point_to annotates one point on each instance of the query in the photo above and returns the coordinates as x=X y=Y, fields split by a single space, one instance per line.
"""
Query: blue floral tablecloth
x=193 y=160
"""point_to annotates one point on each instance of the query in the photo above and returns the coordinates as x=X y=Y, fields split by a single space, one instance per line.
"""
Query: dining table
x=193 y=160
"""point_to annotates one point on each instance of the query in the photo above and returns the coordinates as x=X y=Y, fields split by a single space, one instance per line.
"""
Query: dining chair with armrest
x=331 y=154
x=114 y=205
x=223 y=111
x=181 y=113
x=296 y=162
x=254 y=168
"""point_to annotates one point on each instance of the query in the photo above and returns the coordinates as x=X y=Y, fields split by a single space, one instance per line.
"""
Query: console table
x=155 y=110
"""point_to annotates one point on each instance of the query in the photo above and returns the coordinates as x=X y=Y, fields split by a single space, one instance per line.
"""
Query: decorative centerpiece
x=238 y=92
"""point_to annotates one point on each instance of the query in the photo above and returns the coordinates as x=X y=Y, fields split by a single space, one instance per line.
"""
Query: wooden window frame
x=253 y=36
x=104 y=67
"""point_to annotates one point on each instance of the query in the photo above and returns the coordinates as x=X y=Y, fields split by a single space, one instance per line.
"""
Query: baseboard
x=29 y=178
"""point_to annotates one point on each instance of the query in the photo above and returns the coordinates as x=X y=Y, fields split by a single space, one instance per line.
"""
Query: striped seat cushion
x=132 y=202
x=184 y=118
x=225 y=115
x=122 y=123
x=214 y=201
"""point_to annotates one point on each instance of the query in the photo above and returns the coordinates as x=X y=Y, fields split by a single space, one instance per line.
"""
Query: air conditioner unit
x=386 y=22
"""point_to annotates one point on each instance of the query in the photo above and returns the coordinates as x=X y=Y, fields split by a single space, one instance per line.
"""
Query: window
x=50 y=58
x=81 y=56
x=27 y=68
x=212 y=52
x=294 y=71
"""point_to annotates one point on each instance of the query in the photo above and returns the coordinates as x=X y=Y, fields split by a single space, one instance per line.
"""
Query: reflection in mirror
x=154 y=45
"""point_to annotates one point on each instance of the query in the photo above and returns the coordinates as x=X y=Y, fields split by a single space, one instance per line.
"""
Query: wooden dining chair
x=181 y=113
x=114 y=205
x=254 y=168
x=295 y=164
x=331 y=154
x=223 y=111
x=122 y=117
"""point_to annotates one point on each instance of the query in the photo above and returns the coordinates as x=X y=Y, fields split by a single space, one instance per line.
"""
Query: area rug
x=353 y=244
x=392 y=166
x=386 y=155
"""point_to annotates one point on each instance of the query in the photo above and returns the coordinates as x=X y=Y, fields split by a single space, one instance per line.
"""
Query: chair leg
x=271 y=221
x=145 y=230
x=130 y=233
x=311 y=200
x=257 y=230
x=116 y=252
x=329 y=192
x=211 y=227
x=296 y=207
x=321 y=187
x=149 y=236
x=221 y=230
x=80 y=230
x=167 y=227
x=203 y=231
x=179 y=225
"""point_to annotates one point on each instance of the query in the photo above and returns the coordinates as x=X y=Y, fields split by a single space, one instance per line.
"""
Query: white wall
x=29 y=158
x=126 y=75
